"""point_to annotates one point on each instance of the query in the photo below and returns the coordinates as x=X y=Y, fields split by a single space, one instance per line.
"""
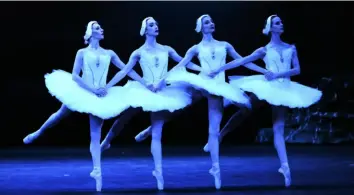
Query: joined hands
x=268 y=75
x=271 y=75
x=154 y=87
x=100 y=92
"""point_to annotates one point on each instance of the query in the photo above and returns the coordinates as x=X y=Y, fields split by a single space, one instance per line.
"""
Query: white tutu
x=61 y=85
x=279 y=92
x=171 y=98
x=212 y=86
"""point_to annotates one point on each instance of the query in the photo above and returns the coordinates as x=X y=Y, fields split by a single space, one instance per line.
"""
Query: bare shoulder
x=226 y=44
x=136 y=53
x=291 y=46
x=164 y=48
x=194 y=49
x=109 y=51
x=167 y=47
x=294 y=50
x=81 y=52
x=261 y=50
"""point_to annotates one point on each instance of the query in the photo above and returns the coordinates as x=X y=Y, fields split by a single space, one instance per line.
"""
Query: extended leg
x=50 y=122
x=118 y=126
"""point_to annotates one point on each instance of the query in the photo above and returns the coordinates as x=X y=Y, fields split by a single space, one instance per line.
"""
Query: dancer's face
x=152 y=27
x=208 y=25
x=277 y=25
x=97 y=31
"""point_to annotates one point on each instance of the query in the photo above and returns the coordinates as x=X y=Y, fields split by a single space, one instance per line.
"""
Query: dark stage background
x=41 y=36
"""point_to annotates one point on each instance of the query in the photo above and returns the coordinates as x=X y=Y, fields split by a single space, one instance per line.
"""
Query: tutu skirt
x=169 y=98
x=278 y=92
x=61 y=85
x=230 y=93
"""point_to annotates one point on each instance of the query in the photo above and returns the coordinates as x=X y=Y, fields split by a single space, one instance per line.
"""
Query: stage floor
x=245 y=170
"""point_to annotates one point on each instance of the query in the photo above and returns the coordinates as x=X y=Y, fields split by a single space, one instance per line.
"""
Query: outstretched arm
x=177 y=58
x=188 y=57
x=259 y=53
x=232 y=52
x=296 y=66
x=77 y=70
x=132 y=74
x=121 y=74
x=183 y=62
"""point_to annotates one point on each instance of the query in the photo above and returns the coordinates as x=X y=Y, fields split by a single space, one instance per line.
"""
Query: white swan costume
x=170 y=98
x=282 y=91
x=155 y=66
x=210 y=59
x=61 y=85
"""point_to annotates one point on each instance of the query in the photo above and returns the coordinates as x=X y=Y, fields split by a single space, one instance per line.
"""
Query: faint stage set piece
x=329 y=121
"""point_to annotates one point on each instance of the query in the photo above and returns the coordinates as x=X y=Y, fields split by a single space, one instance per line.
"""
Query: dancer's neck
x=275 y=39
x=207 y=38
x=94 y=44
x=150 y=41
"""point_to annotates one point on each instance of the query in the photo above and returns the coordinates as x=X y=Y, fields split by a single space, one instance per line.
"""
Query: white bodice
x=153 y=65
x=95 y=68
x=211 y=58
x=273 y=61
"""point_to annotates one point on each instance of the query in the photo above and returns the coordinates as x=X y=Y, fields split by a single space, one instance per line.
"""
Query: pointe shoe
x=206 y=148
x=96 y=174
x=31 y=137
x=215 y=172
x=159 y=179
x=285 y=170
x=105 y=147
x=141 y=136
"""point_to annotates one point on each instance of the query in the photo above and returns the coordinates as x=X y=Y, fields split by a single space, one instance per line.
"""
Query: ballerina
x=64 y=111
x=276 y=87
x=126 y=116
x=153 y=59
x=88 y=94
